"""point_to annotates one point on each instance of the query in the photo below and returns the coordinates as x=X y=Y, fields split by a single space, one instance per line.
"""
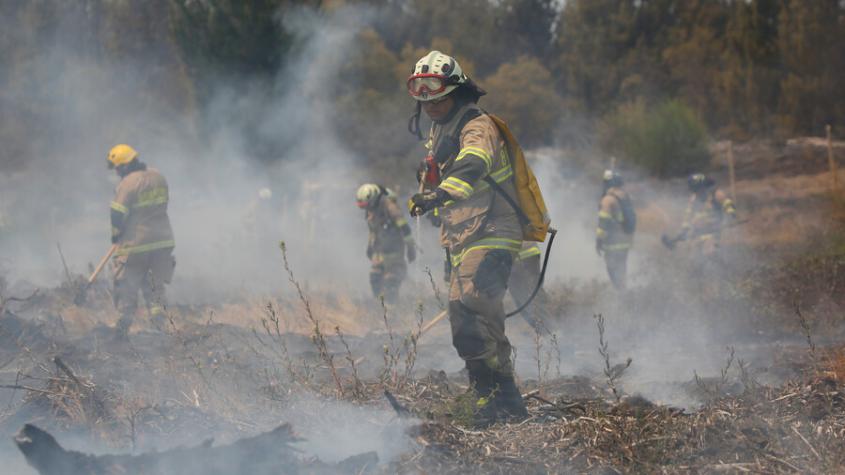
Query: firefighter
x=141 y=230
x=615 y=228
x=480 y=229
x=523 y=280
x=389 y=242
x=707 y=210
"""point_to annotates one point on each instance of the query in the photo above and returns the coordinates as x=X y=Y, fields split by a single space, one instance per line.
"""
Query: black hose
x=552 y=234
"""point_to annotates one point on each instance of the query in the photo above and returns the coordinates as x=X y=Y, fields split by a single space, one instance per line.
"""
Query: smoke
x=227 y=234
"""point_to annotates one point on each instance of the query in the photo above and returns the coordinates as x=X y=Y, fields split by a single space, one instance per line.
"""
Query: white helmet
x=367 y=195
x=435 y=76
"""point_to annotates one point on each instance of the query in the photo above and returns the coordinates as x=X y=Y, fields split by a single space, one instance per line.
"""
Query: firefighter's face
x=438 y=108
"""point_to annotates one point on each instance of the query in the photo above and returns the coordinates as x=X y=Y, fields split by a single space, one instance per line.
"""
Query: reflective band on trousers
x=530 y=252
x=624 y=246
x=488 y=243
x=153 y=246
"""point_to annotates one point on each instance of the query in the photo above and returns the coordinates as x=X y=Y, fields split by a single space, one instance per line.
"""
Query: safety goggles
x=427 y=84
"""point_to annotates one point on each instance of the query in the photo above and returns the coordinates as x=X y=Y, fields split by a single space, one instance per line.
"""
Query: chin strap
x=414 y=122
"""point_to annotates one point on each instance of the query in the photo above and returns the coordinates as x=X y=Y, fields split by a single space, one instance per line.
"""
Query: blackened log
x=265 y=454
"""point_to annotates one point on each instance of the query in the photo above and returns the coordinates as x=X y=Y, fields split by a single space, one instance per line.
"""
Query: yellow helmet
x=121 y=155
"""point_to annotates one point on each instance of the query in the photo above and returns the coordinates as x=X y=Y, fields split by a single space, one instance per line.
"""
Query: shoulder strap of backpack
x=450 y=144
x=523 y=219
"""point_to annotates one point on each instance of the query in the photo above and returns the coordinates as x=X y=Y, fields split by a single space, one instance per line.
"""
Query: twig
x=64 y=264
x=813 y=450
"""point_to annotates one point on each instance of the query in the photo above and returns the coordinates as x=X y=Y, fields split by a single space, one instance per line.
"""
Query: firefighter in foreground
x=389 y=242
x=480 y=228
x=615 y=231
x=141 y=230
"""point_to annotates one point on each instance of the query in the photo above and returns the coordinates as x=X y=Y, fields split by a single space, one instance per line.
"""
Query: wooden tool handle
x=102 y=264
x=434 y=321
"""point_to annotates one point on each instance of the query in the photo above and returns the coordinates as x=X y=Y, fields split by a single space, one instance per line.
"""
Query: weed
x=358 y=386
x=317 y=337
x=612 y=373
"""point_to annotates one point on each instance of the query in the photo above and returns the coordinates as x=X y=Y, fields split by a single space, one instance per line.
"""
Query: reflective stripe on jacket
x=476 y=217
x=610 y=232
x=704 y=217
x=142 y=198
x=389 y=230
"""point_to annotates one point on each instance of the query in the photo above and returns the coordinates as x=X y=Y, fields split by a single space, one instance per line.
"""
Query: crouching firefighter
x=389 y=240
x=141 y=230
x=474 y=168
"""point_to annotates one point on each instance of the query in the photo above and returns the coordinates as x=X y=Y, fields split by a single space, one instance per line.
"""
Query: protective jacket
x=389 y=230
x=469 y=148
x=703 y=218
x=139 y=213
x=610 y=233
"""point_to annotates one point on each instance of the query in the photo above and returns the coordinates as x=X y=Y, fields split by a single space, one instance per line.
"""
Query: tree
x=811 y=43
x=523 y=93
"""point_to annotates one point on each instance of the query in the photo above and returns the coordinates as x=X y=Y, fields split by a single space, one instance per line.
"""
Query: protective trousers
x=522 y=282
x=147 y=272
x=476 y=311
x=386 y=275
x=617 y=267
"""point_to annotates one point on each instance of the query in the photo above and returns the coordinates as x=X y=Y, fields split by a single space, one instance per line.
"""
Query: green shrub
x=666 y=140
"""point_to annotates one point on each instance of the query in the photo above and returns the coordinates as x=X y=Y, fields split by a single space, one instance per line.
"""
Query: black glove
x=411 y=252
x=422 y=203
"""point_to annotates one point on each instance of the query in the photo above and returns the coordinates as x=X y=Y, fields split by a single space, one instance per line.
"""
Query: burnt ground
x=745 y=399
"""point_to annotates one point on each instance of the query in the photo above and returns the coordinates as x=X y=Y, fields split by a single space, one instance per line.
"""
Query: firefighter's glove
x=599 y=248
x=411 y=252
x=422 y=203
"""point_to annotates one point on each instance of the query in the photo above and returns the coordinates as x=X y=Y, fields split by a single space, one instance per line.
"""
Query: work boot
x=482 y=381
x=508 y=399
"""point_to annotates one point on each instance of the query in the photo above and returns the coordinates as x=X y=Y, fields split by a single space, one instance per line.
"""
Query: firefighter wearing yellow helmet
x=141 y=230
x=467 y=172
x=389 y=241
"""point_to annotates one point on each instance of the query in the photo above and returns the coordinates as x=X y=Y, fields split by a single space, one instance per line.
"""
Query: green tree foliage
x=523 y=93
x=667 y=139
x=746 y=68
